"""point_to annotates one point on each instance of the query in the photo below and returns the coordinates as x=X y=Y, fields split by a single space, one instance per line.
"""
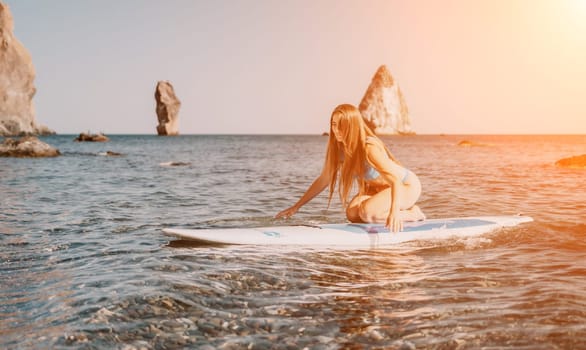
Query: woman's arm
x=377 y=156
x=318 y=185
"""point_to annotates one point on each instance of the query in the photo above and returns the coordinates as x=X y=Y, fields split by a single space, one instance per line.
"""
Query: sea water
x=84 y=264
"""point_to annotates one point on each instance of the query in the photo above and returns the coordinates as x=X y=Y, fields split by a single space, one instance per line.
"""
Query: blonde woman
x=387 y=191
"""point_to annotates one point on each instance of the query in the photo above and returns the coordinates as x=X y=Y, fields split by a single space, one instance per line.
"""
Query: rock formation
x=110 y=154
x=167 y=109
x=28 y=146
x=167 y=164
x=83 y=137
x=17 y=74
x=466 y=143
x=576 y=162
x=383 y=106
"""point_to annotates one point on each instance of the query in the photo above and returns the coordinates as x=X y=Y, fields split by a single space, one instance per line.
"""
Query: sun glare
x=576 y=10
x=580 y=5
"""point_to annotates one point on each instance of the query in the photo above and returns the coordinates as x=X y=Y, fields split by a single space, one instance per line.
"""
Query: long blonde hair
x=348 y=157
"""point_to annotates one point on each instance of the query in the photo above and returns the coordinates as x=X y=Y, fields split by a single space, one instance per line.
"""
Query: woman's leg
x=353 y=210
x=375 y=209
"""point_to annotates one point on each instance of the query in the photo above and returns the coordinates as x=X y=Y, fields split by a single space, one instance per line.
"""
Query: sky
x=280 y=67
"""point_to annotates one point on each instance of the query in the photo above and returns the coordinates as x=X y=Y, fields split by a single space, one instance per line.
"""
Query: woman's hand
x=318 y=185
x=287 y=213
x=394 y=223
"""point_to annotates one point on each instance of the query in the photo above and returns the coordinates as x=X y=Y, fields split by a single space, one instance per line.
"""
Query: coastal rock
x=83 y=137
x=466 y=143
x=27 y=147
x=166 y=164
x=17 y=75
x=167 y=109
x=110 y=154
x=576 y=162
x=383 y=106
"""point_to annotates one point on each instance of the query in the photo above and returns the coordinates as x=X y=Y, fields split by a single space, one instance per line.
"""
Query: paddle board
x=349 y=235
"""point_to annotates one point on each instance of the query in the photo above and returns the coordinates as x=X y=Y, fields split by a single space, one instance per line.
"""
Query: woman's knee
x=353 y=210
x=352 y=214
x=365 y=213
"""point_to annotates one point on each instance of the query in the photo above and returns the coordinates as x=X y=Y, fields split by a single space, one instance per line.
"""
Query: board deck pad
x=349 y=235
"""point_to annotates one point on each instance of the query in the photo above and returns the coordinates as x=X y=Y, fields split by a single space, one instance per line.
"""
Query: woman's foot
x=412 y=214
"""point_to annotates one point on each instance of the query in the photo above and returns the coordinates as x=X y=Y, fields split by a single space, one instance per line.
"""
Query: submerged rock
x=466 y=143
x=383 y=106
x=175 y=164
x=83 y=137
x=27 y=147
x=110 y=154
x=17 y=75
x=167 y=109
x=576 y=162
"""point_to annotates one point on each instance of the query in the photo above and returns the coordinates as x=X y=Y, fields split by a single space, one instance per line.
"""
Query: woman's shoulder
x=374 y=147
x=372 y=140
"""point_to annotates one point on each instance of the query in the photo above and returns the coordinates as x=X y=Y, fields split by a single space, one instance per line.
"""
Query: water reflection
x=374 y=292
x=35 y=301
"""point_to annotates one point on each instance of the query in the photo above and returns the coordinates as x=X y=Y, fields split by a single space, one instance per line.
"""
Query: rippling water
x=83 y=262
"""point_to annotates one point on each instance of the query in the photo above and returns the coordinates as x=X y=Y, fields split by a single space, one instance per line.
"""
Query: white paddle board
x=349 y=235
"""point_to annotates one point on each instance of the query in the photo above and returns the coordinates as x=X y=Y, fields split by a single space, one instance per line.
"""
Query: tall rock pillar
x=383 y=106
x=17 y=75
x=167 y=109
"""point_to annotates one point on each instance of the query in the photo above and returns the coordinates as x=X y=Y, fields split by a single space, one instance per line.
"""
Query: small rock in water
x=576 y=162
x=375 y=334
x=110 y=154
x=103 y=315
x=76 y=338
x=83 y=137
x=174 y=164
x=27 y=147
x=466 y=143
x=167 y=303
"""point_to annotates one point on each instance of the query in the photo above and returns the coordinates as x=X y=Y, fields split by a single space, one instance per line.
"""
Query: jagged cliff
x=17 y=74
x=167 y=109
x=383 y=106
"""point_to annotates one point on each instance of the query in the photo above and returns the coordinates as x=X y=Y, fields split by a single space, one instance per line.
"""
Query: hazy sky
x=281 y=66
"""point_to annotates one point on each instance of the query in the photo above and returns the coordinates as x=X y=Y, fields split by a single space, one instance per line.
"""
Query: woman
x=387 y=191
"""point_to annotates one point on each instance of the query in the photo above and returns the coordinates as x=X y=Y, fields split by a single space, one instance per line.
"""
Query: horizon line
x=317 y=134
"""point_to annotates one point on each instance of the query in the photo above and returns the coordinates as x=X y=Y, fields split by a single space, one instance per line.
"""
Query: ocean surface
x=84 y=264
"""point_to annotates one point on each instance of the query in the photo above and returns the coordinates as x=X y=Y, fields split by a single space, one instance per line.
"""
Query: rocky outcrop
x=466 y=143
x=167 y=164
x=110 y=154
x=27 y=147
x=83 y=137
x=383 y=106
x=576 y=162
x=17 y=74
x=167 y=109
